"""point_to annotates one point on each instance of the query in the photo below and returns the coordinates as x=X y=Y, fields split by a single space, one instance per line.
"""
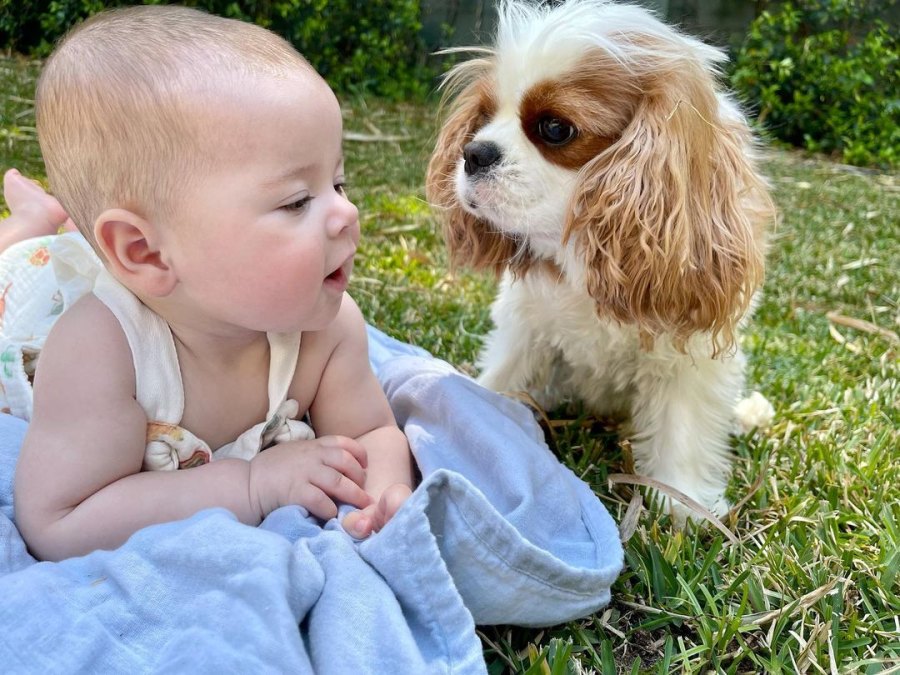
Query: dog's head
x=596 y=137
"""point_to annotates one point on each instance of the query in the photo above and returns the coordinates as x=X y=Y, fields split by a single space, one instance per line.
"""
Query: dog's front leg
x=682 y=414
x=514 y=357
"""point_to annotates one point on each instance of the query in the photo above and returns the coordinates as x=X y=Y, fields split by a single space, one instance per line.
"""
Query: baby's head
x=121 y=105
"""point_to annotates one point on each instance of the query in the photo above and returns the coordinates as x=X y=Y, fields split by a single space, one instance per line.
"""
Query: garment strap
x=284 y=350
x=159 y=389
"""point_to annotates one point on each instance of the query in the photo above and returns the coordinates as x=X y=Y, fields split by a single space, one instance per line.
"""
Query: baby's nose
x=345 y=216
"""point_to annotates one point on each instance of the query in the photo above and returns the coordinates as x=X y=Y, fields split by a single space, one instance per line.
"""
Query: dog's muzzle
x=479 y=156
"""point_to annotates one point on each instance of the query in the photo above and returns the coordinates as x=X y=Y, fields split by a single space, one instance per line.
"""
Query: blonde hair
x=116 y=104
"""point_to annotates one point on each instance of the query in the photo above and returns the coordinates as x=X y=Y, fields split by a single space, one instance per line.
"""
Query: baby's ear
x=132 y=248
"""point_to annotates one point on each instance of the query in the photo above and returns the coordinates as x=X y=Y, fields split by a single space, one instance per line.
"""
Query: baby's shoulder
x=348 y=326
x=322 y=349
x=89 y=313
x=349 y=319
x=85 y=333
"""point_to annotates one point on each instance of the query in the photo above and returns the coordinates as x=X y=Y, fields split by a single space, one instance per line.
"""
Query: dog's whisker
x=692 y=107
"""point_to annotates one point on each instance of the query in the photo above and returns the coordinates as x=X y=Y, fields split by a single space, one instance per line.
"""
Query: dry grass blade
x=646 y=609
x=497 y=649
x=865 y=326
x=736 y=509
x=529 y=401
x=374 y=138
x=678 y=495
x=804 y=602
x=630 y=519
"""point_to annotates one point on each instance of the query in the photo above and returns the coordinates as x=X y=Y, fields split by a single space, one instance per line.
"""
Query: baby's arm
x=79 y=484
x=350 y=401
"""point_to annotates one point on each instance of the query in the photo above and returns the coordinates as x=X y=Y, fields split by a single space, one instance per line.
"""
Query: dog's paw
x=754 y=412
x=683 y=511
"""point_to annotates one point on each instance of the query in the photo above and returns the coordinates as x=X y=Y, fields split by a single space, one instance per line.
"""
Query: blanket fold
x=497 y=532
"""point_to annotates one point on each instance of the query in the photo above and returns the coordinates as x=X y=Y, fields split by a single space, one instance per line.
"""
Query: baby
x=201 y=159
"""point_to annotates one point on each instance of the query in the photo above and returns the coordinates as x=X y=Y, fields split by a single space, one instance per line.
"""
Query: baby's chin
x=312 y=322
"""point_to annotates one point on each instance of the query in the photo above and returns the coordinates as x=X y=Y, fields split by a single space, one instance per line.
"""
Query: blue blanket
x=498 y=532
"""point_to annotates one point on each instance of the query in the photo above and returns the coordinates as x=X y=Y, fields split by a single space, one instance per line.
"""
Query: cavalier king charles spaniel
x=591 y=158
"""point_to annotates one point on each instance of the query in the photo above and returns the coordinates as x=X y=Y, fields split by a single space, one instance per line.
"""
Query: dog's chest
x=564 y=318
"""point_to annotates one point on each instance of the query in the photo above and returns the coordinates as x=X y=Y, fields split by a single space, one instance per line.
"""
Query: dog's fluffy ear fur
x=471 y=242
x=670 y=219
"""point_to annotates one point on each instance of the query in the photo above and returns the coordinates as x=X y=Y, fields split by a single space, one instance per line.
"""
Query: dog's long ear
x=670 y=219
x=471 y=242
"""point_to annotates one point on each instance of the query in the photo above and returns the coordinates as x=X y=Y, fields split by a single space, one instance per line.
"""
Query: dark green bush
x=824 y=76
x=359 y=46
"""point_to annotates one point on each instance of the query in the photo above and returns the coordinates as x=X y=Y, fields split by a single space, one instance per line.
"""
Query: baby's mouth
x=340 y=277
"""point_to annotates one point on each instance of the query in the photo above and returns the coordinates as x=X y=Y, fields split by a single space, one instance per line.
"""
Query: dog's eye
x=555 y=131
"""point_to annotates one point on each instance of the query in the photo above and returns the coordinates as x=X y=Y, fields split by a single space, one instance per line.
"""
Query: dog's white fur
x=629 y=254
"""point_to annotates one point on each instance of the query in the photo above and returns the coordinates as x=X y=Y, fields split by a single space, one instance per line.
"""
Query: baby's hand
x=314 y=474
x=372 y=518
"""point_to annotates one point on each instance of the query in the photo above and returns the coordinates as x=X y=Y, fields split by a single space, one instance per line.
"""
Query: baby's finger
x=318 y=503
x=351 y=446
x=340 y=488
x=342 y=461
x=390 y=502
x=359 y=523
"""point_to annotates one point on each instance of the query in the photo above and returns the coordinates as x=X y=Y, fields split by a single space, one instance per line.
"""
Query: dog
x=592 y=160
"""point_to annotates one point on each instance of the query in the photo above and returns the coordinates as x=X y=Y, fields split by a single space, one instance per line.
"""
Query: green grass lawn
x=814 y=583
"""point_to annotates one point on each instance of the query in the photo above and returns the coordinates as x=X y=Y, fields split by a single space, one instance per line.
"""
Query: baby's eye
x=341 y=188
x=298 y=205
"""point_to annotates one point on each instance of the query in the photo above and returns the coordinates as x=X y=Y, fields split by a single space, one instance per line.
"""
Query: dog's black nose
x=479 y=155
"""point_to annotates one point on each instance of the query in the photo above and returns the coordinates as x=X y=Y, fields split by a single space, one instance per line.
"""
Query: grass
x=814 y=584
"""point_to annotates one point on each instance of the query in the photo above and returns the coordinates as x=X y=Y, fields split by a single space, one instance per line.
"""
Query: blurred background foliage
x=819 y=74
x=823 y=75
x=358 y=46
